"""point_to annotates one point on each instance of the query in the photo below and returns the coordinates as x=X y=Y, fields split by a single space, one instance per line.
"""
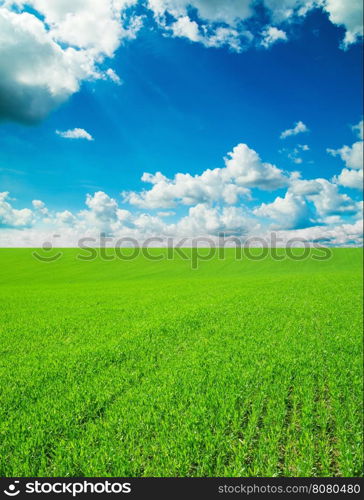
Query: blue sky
x=181 y=108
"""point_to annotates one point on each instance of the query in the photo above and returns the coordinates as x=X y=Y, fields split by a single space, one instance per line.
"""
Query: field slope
x=149 y=368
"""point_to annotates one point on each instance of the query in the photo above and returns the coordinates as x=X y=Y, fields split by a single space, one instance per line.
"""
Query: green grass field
x=145 y=368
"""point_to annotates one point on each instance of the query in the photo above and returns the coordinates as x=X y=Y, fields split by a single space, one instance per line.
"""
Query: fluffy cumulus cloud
x=350 y=178
x=348 y=14
x=65 y=218
x=204 y=219
x=243 y=171
x=329 y=201
x=10 y=216
x=103 y=213
x=246 y=167
x=47 y=52
x=307 y=203
x=290 y=212
x=76 y=133
x=352 y=156
x=325 y=197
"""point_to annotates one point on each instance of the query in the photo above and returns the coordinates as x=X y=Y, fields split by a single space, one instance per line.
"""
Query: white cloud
x=243 y=170
x=336 y=234
x=298 y=128
x=39 y=207
x=185 y=189
x=100 y=204
x=329 y=201
x=114 y=77
x=45 y=56
x=132 y=25
x=352 y=156
x=359 y=129
x=38 y=204
x=285 y=10
x=66 y=217
x=208 y=29
x=205 y=220
x=226 y=36
x=76 y=133
x=218 y=200
x=294 y=210
x=290 y=212
x=350 y=178
x=85 y=24
x=348 y=14
x=150 y=225
x=345 y=13
x=272 y=35
x=303 y=187
x=218 y=23
x=103 y=213
x=36 y=74
x=11 y=217
x=184 y=27
x=234 y=14
x=245 y=166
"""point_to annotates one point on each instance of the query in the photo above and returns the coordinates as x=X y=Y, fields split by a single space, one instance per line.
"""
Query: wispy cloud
x=76 y=133
x=298 y=128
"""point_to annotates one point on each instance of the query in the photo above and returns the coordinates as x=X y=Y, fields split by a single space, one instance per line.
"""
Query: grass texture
x=149 y=368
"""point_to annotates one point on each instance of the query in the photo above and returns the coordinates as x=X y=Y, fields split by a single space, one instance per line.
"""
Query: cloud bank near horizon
x=215 y=201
